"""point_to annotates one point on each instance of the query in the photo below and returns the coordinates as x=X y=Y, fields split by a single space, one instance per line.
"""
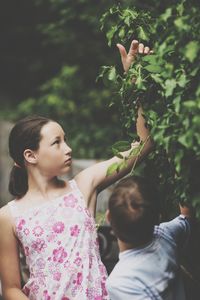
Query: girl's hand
x=128 y=59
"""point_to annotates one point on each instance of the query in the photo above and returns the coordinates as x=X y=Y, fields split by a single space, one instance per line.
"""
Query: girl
x=51 y=219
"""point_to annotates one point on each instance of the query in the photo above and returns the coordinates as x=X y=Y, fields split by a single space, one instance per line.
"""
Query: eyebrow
x=58 y=137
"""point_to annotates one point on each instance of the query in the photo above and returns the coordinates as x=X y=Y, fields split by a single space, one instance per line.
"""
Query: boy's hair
x=133 y=208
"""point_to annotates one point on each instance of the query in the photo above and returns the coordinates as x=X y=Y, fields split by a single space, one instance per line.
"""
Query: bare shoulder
x=5 y=217
x=4 y=211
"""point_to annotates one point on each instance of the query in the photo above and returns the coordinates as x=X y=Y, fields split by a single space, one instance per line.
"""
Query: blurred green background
x=51 y=53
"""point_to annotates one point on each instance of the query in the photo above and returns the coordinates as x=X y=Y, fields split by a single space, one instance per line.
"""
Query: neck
x=124 y=246
x=42 y=186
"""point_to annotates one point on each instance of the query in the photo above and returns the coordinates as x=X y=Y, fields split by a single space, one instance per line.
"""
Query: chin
x=65 y=170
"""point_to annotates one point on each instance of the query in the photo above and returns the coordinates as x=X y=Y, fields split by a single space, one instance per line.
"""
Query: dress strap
x=75 y=187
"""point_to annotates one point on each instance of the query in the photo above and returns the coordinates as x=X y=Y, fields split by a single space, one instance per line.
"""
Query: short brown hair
x=133 y=208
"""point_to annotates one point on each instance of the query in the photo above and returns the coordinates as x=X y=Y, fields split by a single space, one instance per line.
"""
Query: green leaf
x=170 y=85
x=182 y=80
x=110 y=34
x=157 y=78
x=177 y=159
x=121 y=146
x=189 y=104
x=112 y=169
x=152 y=59
x=186 y=139
x=122 y=33
x=177 y=105
x=140 y=83
x=153 y=68
x=191 y=50
x=196 y=120
x=182 y=24
x=112 y=74
x=180 y=8
x=122 y=165
x=142 y=34
x=166 y=15
x=135 y=151
x=117 y=153
x=127 y=21
x=183 y=140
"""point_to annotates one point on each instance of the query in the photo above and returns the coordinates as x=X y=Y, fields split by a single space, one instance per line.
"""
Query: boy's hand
x=128 y=58
x=187 y=211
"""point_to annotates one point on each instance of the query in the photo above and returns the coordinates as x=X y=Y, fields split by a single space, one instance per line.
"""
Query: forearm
x=142 y=130
x=132 y=156
x=144 y=134
x=14 y=294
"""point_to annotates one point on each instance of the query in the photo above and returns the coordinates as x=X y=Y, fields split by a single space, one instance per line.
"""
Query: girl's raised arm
x=94 y=179
x=9 y=260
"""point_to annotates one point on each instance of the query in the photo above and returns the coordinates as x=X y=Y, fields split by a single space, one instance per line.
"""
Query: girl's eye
x=56 y=142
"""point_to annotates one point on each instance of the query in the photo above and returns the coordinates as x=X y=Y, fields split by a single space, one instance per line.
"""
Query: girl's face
x=53 y=155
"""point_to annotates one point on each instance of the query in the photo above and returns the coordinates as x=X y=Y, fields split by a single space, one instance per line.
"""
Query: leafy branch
x=167 y=84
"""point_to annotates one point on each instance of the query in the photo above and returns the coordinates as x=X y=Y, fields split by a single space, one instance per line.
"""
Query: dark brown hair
x=24 y=135
x=134 y=211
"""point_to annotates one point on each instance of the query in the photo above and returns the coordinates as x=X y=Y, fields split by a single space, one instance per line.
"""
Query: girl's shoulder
x=4 y=211
x=5 y=215
x=29 y=203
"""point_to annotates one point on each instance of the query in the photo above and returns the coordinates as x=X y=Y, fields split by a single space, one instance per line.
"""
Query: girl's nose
x=68 y=150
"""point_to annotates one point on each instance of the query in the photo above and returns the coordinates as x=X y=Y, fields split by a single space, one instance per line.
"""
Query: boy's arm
x=180 y=227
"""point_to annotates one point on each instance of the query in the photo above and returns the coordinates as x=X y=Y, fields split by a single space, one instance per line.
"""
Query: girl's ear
x=30 y=156
x=108 y=216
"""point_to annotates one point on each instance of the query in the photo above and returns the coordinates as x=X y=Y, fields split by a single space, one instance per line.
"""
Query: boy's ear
x=108 y=216
x=30 y=156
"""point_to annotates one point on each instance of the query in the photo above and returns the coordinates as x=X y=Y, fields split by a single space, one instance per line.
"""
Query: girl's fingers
x=146 y=50
x=134 y=47
x=141 y=48
x=122 y=51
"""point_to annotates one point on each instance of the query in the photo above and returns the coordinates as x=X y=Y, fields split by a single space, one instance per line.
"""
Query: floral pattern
x=59 y=255
x=58 y=227
x=70 y=201
x=61 y=246
x=74 y=230
x=38 y=231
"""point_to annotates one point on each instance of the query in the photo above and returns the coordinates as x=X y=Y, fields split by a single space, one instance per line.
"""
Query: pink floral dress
x=59 y=240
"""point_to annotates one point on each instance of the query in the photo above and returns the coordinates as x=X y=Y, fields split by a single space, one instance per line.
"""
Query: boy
x=148 y=266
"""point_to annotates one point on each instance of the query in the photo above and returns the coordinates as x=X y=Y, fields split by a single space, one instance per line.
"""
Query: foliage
x=59 y=67
x=75 y=48
x=168 y=87
x=84 y=115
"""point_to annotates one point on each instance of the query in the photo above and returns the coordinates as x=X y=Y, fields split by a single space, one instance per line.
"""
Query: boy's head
x=133 y=210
